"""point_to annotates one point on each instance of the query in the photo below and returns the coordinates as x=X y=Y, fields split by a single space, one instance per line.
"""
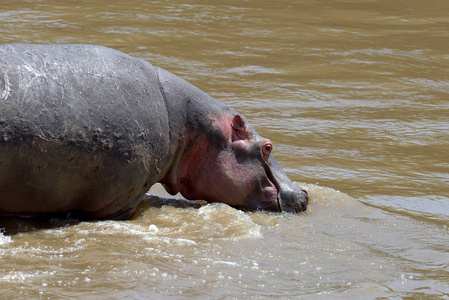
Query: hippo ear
x=240 y=128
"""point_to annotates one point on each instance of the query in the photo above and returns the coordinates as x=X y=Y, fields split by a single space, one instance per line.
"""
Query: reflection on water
x=353 y=96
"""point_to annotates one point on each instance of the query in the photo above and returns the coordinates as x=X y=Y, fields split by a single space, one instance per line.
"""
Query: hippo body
x=88 y=130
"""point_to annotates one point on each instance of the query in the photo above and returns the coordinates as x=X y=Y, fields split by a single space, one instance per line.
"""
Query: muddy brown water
x=354 y=96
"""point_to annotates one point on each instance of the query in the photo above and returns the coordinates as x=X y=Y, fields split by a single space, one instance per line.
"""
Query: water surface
x=354 y=96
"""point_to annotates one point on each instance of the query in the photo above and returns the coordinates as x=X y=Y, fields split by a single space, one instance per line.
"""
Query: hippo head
x=219 y=157
x=232 y=164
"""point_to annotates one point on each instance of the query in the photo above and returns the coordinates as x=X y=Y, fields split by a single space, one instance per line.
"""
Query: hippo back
x=81 y=128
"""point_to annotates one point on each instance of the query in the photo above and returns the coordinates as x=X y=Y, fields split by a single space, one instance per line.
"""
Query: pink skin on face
x=237 y=173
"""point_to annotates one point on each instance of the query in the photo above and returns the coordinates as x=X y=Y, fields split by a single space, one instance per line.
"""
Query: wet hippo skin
x=88 y=129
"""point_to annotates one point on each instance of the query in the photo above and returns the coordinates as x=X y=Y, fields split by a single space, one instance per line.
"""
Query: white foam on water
x=232 y=223
x=126 y=228
x=15 y=277
x=4 y=239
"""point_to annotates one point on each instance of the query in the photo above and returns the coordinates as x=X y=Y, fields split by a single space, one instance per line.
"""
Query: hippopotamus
x=87 y=130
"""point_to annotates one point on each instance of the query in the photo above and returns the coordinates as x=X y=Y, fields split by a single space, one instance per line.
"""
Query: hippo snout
x=293 y=200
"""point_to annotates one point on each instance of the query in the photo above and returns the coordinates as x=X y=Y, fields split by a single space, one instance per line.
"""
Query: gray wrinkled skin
x=87 y=129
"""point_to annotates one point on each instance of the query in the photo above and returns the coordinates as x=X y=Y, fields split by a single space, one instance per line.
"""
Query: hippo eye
x=266 y=150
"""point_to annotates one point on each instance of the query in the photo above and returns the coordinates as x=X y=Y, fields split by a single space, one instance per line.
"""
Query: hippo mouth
x=278 y=206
